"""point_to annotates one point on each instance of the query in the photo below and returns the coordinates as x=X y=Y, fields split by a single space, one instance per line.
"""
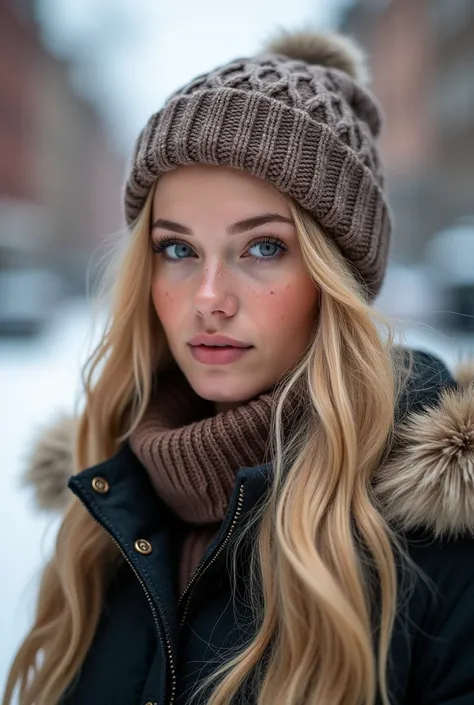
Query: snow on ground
x=39 y=378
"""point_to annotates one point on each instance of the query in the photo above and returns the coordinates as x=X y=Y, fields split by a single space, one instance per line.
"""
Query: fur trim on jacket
x=428 y=479
x=426 y=482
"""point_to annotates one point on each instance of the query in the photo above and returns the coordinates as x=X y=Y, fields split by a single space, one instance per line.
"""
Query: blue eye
x=269 y=249
x=182 y=250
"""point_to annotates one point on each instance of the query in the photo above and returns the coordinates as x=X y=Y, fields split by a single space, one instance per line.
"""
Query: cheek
x=291 y=308
x=165 y=304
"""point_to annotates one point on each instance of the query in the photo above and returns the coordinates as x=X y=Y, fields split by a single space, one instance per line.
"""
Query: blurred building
x=75 y=171
x=422 y=59
x=452 y=104
x=60 y=177
x=19 y=51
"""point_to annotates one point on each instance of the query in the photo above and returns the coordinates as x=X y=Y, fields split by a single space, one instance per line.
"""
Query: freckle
x=272 y=292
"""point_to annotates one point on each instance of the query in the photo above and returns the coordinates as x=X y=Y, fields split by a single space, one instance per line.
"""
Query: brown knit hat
x=297 y=116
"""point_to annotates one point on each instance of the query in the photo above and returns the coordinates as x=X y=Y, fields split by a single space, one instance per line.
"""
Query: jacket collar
x=426 y=482
x=129 y=486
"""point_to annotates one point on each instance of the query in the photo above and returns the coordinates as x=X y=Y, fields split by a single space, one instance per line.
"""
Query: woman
x=271 y=504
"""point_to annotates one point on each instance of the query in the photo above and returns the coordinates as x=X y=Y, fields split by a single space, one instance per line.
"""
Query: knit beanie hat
x=299 y=116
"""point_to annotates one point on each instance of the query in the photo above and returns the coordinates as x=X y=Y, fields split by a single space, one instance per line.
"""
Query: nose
x=214 y=294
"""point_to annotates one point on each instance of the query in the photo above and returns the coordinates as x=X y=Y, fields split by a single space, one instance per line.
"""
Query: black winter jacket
x=153 y=649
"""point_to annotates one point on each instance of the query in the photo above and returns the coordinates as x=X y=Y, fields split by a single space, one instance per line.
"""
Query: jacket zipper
x=188 y=592
x=160 y=630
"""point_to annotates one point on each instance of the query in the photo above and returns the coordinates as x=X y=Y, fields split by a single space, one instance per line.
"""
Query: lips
x=218 y=355
x=217 y=341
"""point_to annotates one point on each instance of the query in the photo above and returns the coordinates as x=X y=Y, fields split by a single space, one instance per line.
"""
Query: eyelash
x=159 y=246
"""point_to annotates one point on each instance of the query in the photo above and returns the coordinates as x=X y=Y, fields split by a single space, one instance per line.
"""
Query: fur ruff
x=327 y=49
x=427 y=482
x=50 y=464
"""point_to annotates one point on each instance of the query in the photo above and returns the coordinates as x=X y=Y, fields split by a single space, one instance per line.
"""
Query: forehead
x=215 y=190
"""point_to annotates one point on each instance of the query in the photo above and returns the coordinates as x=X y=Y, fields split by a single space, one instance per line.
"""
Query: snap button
x=143 y=546
x=100 y=485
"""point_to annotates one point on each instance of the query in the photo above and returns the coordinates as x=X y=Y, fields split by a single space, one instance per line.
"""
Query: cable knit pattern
x=310 y=130
x=193 y=456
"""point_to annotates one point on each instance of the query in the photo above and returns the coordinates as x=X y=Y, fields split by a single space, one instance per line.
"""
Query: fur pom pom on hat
x=298 y=116
x=327 y=49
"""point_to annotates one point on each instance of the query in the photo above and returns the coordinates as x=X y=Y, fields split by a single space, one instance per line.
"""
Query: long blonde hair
x=319 y=529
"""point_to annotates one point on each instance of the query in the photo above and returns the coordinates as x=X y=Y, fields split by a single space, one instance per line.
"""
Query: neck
x=223 y=406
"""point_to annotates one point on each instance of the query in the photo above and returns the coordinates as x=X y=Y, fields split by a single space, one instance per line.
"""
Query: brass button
x=150 y=703
x=143 y=546
x=100 y=485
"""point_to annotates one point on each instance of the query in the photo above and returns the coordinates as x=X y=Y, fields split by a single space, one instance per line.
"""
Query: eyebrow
x=241 y=226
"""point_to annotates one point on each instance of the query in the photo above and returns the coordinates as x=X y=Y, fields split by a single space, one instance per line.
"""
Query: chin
x=231 y=390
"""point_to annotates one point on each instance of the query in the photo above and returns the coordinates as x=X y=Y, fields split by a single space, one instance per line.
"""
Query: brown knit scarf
x=193 y=456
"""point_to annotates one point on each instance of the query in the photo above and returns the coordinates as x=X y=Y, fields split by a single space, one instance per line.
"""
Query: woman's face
x=227 y=262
